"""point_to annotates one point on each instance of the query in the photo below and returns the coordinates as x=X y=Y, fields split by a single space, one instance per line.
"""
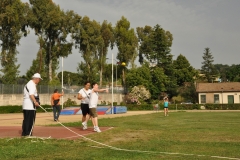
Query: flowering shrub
x=139 y=94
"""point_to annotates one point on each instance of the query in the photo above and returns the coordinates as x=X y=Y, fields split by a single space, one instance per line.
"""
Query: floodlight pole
x=62 y=82
x=112 y=83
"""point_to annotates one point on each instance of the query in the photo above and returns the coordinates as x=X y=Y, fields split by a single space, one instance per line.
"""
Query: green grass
x=182 y=135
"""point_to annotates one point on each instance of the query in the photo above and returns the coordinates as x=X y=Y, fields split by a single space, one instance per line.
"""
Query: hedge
x=18 y=109
x=134 y=107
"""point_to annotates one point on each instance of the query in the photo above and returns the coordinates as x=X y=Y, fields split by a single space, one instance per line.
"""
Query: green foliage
x=188 y=92
x=183 y=71
x=69 y=103
x=70 y=78
x=153 y=78
x=13 y=19
x=18 y=109
x=208 y=68
x=155 y=46
x=90 y=42
x=233 y=73
x=126 y=41
x=52 y=26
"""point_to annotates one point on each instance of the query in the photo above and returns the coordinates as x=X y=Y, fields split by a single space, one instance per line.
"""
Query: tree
x=233 y=73
x=90 y=42
x=52 y=26
x=183 y=71
x=126 y=42
x=188 y=92
x=208 y=68
x=108 y=39
x=153 y=78
x=222 y=71
x=155 y=46
x=13 y=20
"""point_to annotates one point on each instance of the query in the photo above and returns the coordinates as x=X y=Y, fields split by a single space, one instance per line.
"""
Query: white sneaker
x=84 y=125
x=96 y=129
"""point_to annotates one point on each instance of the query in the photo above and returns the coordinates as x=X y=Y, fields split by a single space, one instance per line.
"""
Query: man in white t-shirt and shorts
x=93 y=105
x=30 y=102
x=84 y=96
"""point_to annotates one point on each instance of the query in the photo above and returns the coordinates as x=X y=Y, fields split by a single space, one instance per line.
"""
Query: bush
x=18 y=109
x=69 y=103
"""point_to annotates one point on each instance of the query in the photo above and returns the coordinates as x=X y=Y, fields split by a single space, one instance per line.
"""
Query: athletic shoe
x=84 y=125
x=96 y=129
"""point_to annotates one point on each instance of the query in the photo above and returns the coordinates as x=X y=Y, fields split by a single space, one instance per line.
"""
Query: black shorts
x=85 y=109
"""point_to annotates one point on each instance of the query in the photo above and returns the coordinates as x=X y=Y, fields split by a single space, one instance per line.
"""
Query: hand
x=36 y=104
x=106 y=90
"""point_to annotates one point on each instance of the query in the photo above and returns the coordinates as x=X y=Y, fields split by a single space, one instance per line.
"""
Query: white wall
x=17 y=99
x=223 y=97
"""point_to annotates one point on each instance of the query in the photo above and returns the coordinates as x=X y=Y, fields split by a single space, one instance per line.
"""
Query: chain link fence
x=46 y=89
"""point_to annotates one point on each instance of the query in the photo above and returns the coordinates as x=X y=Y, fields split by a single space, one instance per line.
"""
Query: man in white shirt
x=93 y=105
x=84 y=96
x=30 y=102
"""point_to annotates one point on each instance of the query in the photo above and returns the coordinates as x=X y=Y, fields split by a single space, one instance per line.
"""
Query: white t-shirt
x=85 y=94
x=93 y=100
x=27 y=102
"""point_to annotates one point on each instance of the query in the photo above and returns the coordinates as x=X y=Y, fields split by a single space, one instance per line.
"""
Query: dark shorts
x=93 y=112
x=165 y=107
x=85 y=109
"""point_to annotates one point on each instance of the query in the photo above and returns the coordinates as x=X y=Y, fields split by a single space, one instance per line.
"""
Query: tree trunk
x=50 y=62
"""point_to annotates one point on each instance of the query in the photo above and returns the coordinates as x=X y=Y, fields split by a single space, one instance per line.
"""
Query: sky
x=194 y=24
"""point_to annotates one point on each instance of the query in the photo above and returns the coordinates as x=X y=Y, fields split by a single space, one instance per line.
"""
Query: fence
x=46 y=89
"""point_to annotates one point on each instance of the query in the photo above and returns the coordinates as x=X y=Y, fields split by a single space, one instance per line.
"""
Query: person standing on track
x=55 y=102
x=30 y=102
x=93 y=105
x=84 y=96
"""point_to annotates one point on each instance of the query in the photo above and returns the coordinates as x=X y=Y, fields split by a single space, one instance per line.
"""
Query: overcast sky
x=195 y=25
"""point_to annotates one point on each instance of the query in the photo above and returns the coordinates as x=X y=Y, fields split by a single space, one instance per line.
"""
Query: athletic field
x=181 y=135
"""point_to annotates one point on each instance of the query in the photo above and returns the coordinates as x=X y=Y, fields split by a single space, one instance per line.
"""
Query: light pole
x=112 y=83
x=62 y=81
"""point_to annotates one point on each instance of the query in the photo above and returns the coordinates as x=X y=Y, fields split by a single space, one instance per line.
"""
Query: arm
x=62 y=93
x=79 y=97
x=34 y=100
x=100 y=90
x=52 y=101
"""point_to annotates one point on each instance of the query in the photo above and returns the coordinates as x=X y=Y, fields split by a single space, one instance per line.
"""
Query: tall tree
x=90 y=42
x=183 y=71
x=127 y=43
x=208 y=68
x=52 y=25
x=155 y=46
x=108 y=39
x=13 y=20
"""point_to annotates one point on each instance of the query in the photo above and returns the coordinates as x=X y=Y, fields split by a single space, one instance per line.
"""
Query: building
x=219 y=93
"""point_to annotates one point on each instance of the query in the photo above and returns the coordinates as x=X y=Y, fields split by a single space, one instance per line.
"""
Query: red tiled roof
x=218 y=87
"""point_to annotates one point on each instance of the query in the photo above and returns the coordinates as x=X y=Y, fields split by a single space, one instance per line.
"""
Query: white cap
x=37 y=75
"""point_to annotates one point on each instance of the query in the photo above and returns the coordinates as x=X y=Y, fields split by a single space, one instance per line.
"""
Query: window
x=230 y=99
x=216 y=98
x=203 y=98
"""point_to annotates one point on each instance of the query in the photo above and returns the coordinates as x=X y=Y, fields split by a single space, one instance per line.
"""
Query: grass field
x=182 y=135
